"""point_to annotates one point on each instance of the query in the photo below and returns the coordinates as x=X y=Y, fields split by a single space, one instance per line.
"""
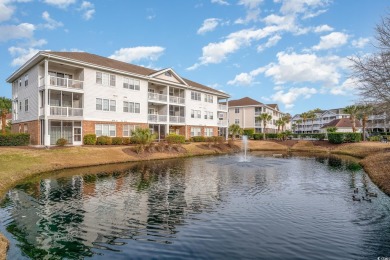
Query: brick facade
x=30 y=127
x=202 y=130
x=89 y=126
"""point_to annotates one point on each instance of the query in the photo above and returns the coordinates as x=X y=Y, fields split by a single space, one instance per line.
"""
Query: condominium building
x=246 y=111
x=71 y=94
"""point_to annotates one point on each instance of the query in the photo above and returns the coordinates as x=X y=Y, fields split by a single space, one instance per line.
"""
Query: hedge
x=338 y=138
x=89 y=139
x=104 y=140
x=14 y=139
x=257 y=136
x=117 y=140
x=198 y=139
x=61 y=142
x=248 y=132
x=175 y=139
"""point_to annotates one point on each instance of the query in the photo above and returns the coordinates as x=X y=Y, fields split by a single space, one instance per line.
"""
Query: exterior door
x=77 y=133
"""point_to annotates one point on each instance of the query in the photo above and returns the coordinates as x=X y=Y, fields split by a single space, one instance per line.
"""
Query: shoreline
x=20 y=164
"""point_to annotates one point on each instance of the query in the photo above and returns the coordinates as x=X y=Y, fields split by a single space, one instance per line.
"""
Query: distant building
x=7 y=120
x=343 y=125
x=245 y=113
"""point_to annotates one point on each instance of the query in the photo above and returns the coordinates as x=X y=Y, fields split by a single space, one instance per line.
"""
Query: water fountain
x=244 y=148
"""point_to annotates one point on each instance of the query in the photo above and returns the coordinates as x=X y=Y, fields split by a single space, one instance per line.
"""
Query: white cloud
x=272 y=41
x=251 y=4
x=220 y=2
x=50 y=24
x=138 y=53
x=21 y=55
x=10 y=32
x=360 y=43
x=6 y=11
x=60 y=3
x=246 y=79
x=301 y=6
x=252 y=13
x=323 y=28
x=88 y=10
x=288 y=98
x=309 y=15
x=332 y=40
x=348 y=86
x=292 y=67
x=208 y=25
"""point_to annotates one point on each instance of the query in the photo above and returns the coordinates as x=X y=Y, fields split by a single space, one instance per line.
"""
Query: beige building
x=245 y=113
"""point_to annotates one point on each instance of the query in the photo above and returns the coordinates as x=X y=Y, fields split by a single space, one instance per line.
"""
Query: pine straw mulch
x=4 y=244
x=378 y=167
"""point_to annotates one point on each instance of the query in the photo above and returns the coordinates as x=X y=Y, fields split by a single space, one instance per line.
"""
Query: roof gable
x=168 y=75
x=246 y=101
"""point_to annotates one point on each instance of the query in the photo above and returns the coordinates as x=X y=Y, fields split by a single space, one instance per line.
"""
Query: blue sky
x=291 y=52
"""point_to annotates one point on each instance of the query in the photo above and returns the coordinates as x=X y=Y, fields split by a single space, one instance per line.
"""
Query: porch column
x=168 y=119
x=46 y=104
x=227 y=120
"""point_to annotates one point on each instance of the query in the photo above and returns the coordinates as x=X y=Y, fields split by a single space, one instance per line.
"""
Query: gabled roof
x=342 y=123
x=172 y=73
x=246 y=101
x=274 y=106
x=108 y=63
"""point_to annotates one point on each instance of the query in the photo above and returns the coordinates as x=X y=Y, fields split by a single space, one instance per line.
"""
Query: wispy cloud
x=138 y=53
x=332 y=40
x=220 y=2
x=60 y=3
x=208 y=25
x=88 y=10
x=50 y=24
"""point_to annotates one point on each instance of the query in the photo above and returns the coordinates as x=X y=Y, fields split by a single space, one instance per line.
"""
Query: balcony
x=222 y=123
x=177 y=119
x=63 y=83
x=65 y=111
x=222 y=107
x=157 y=118
x=157 y=97
x=177 y=100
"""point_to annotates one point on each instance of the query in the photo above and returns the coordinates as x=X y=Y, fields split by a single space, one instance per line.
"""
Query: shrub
x=209 y=140
x=89 y=139
x=258 y=136
x=175 y=139
x=14 y=139
x=198 y=139
x=338 y=138
x=218 y=139
x=271 y=136
x=126 y=140
x=61 y=142
x=249 y=132
x=142 y=137
x=117 y=140
x=104 y=140
x=352 y=137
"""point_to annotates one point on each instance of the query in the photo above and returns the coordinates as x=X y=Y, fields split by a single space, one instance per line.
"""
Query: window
x=26 y=105
x=130 y=83
x=99 y=79
x=20 y=82
x=105 y=104
x=221 y=116
x=208 y=98
x=105 y=129
x=195 y=113
x=195 y=131
x=25 y=128
x=20 y=106
x=237 y=121
x=129 y=129
x=112 y=80
x=236 y=110
x=211 y=116
x=195 y=96
x=99 y=105
x=209 y=132
x=26 y=80
x=131 y=107
x=105 y=79
x=136 y=84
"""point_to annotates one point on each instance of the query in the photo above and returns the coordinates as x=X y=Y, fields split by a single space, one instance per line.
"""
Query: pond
x=205 y=208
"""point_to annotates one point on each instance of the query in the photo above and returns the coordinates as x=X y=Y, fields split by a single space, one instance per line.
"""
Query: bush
x=175 y=139
x=258 y=136
x=104 y=140
x=249 y=132
x=271 y=136
x=126 y=140
x=117 y=140
x=89 y=139
x=14 y=139
x=218 y=139
x=338 y=138
x=375 y=138
x=198 y=139
x=61 y=142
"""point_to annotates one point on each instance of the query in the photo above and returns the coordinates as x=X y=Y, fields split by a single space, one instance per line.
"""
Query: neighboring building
x=8 y=119
x=71 y=94
x=378 y=123
x=245 y=113
x=322 y=118
x=343 y=125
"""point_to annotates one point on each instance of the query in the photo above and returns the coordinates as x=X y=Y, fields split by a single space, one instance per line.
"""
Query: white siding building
x=70 y=94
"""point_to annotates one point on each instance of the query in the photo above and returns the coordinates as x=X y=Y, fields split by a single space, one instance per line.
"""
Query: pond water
x=203 y=208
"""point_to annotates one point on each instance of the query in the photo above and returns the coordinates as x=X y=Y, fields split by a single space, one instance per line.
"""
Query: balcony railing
x=177 y=119
x=176 y=100
x=222 y=107
x=222 y=123
x=157 y=118
x=65 y=111
x=157 y=97
x=63 y=82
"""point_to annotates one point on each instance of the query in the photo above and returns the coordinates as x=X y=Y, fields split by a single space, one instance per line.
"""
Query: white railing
x=176 y=100
x=177 y=119
x=258 y=113
x=258 y=124
x=222 y=122
x=157 y=118
x=65 y=83
x=65 y=111
x=222 y=107
x=157 y=97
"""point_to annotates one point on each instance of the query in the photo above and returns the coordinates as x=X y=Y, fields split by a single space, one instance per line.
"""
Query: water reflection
x=201 y=208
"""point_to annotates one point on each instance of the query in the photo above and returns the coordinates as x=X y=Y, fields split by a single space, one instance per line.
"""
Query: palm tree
x=265 y=118
x=5 y=108
x=352 y=111
x=363 y=114
x=280 y=123
x=304 y=117
x=234 y=130
x=143 y=137
x=293 y=127
x=286 y=119
x=312 y=116
x=299 y=121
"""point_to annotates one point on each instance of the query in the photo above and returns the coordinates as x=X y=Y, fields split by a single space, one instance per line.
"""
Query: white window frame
x=26 y=105
x=196 y=96
x=196 y=131
x=131 y=107
x=105 y=129
x=26 y=80
x=237 y=121
x=237 y=110
x=209 y=131
x=129 y=129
